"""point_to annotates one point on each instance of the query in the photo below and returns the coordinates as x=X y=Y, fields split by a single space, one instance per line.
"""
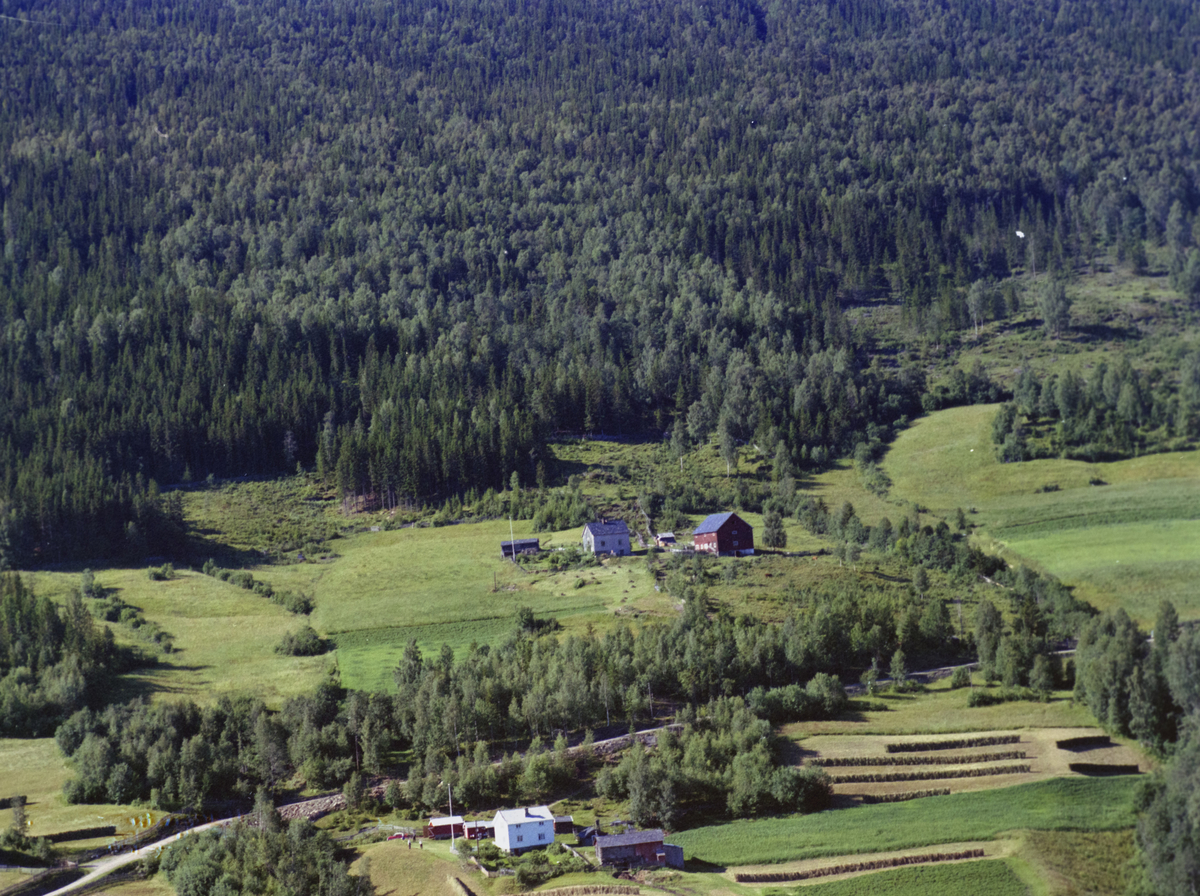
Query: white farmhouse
x=520 y=829
x=607 y=538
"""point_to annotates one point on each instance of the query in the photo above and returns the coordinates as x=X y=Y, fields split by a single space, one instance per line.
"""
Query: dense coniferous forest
x=409 y=243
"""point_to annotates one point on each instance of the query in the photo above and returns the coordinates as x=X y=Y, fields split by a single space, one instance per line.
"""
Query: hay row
x=931 y=775
x=106 y=830
x=1081 y=743
x=960 y=744
x=957 y=759
x=1097 y=768
x=772 y=877
x=903 y=797
x=593 y=890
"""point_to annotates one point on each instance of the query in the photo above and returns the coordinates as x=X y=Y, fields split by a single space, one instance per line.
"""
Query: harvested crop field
x=862 y=765
x=813 y=869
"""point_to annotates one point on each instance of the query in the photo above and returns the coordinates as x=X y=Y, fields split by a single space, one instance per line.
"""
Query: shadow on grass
x=699 y=866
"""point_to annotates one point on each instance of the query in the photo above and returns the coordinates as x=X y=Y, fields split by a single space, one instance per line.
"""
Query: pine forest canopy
x=410 y=242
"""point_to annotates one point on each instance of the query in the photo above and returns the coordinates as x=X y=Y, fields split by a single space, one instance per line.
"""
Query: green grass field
x=35 y=769
x=450 y=585
x=1132 y=542
x=1098 y=804
x=982 y=878
x=225 y=636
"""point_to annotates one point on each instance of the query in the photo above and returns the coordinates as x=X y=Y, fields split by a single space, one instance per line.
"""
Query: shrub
x=161 y=573
x=305 y=642
x=961 y=678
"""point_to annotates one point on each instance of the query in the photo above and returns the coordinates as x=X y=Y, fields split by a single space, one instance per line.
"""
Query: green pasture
x=1132 y=541
x=35 y=769
x=979 y=878
x=1075 y=804
x=225 y=636
x=450 y=585
x=1134 y=566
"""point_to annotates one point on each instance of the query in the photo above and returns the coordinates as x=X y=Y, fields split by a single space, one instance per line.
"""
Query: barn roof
x=637 y=837
x=713 y=522
x=615 y=527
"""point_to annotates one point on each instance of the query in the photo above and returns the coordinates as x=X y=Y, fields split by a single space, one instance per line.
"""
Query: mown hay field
x=1144 y=522
x=1057 y=804
x=972 y=769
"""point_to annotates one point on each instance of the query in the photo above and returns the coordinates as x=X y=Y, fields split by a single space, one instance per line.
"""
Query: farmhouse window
x=735 y=544
x=541 y=837
x=603 y=543
x=520 y=838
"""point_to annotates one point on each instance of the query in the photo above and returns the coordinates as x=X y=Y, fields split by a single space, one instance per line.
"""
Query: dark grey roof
x=652 y=836
x=616 y=527
x=519 y=542
x=712 y=523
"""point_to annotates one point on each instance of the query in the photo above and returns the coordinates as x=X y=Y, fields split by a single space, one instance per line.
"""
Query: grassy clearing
x=940 y=710
x=225 y=636
x=1145 y=523
x=980 y=878
x=36 y=769
x=1060 y=804
x=394 y=868
x=450 y=585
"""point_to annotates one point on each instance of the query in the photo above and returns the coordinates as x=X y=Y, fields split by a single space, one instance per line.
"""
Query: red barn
x=724 y=533
x=444 y=828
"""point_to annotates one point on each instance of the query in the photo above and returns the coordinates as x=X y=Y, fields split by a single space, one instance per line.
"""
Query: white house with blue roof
x=607 y=537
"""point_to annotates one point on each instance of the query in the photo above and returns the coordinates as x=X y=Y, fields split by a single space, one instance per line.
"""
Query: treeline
x=438 y=245
x=1134 y=686
x=526 y=687
x=1115 y=412
x=727 y=759
x=1044 y=614
x=179 y=755
x=53 y=660
x=1150 y=689
x=261 y=858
